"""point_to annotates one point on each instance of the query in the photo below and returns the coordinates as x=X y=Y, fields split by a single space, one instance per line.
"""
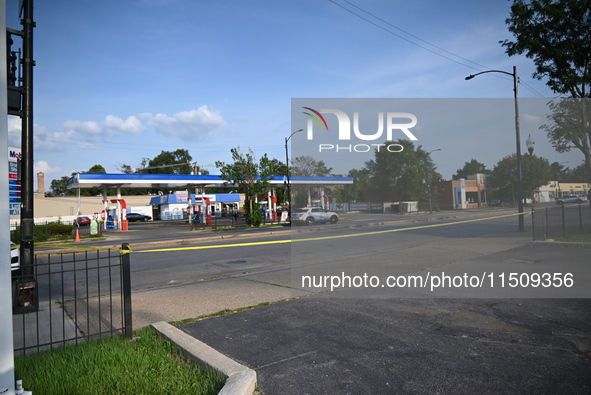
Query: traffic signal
x=14 y=92
x=11 y=59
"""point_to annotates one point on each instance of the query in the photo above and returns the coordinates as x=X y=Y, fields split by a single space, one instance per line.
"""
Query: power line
x=401 y=37
x=480 y=66
x=412 y=35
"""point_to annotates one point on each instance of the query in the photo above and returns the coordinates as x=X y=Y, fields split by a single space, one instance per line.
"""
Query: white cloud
x=130 y=125
x=532 y=119
x=88 y=127
x=14 y=131
x=43 y=166
x=14 y=124
x=91 y=135
x=58 y=141
x=187 y=124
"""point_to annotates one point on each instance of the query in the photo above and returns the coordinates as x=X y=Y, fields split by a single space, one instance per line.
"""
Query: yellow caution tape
x=330 y=237
x=123 y=251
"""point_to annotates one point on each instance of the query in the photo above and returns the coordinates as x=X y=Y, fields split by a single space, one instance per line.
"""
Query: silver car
x=572 y=199
x=311 y=215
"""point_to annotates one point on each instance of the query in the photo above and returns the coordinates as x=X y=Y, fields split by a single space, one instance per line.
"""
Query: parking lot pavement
x=337 y=343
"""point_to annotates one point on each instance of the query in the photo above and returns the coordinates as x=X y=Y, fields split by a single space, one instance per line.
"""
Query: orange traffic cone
x=77 y=235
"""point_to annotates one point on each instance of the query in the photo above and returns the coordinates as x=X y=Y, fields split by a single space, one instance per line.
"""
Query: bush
x=49 y=231
x=254 y=218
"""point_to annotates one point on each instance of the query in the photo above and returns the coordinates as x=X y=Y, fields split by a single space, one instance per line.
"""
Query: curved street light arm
x=297 y=131
x=489 y=71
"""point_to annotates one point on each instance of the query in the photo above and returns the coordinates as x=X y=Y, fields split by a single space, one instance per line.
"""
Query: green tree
x=356 y=192
x=125 y=169
x=306 y=165
x=536 y=172
x=578 y=174
x=277 y=167
x=167 y=162
x=251 y=177
x=559 y=172
x=470 y=168
x=570 y=127
x=556 y=34
x=401 y=176
x=58 y=186
x=96 y=169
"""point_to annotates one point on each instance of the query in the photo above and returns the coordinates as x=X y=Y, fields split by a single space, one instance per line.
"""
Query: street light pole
x=517 y=138
x=287 y=173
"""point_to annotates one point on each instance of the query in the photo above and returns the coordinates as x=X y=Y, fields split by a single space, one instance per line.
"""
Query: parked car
x=572 y=199
x=82 y=221
x=311 y=215
x=137 y=217
x=15 y=257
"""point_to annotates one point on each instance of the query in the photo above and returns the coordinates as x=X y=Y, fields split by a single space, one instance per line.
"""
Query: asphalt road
x=279 y=255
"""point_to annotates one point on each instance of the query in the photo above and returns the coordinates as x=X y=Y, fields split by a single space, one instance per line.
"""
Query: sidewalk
x=50 y=324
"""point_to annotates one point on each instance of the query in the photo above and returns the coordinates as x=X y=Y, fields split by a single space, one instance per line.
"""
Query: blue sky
x=118 y=81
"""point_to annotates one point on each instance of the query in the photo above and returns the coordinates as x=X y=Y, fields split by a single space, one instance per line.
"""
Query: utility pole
x=27 y=297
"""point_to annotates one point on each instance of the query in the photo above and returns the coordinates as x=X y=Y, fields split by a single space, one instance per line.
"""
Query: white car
x=15 y=257
x=311 y=215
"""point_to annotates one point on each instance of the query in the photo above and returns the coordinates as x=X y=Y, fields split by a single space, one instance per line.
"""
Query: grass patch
x=576 y=239
x=116 y=366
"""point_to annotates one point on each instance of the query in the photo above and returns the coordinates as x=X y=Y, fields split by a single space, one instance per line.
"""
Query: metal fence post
x=533 y=223
x=547 y=227
x=581 y=218
x=563 y=222
x=126 y=283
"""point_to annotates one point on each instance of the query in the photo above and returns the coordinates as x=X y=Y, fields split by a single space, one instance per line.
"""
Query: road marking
x=377 y=232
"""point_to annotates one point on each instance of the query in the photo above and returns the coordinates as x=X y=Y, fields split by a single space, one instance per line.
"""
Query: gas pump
x=111 y=215
x=121 y=208
x=271 y=208
x=206 y=209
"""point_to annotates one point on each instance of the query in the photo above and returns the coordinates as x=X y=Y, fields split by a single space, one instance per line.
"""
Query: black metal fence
x=561 y=221
x=72 y=298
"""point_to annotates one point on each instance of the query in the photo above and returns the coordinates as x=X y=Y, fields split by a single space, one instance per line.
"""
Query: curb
x=168 y=242
x=240 y=380
x=562 y=244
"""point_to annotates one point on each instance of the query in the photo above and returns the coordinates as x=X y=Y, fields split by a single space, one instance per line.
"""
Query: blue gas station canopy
x=164 y=181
